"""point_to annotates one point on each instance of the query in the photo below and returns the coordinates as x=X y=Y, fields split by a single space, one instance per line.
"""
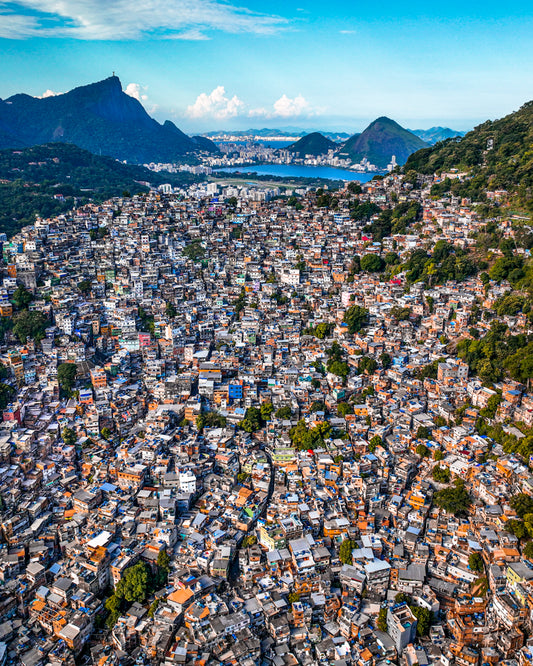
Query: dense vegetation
x=497 y=155
x=380 y=140
x=30 y=179
x=312 y=144
x=498 y=353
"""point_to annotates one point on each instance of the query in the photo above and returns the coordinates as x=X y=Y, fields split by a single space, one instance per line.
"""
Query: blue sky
x=208 y=64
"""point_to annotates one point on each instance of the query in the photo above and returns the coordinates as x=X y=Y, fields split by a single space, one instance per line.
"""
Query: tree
x=385 y=360
x=84 y=286
x=170 y=310
x=438 y=455
x=441 y=474
x=163 y=567
x=153 y=607
x=382 y=619
x=374 y=443
x=528 y=550
x=517 y=527
x=69 y=436
x=134 y=584
x=66 y=377
x=338 y=368
x=303 y=437
x=293 y=597
x=344 y=408
x=454 y=499
x=423 y=432
x=367 y=364
x=322 y=330
x=113 y=606
x=29 y=325
x=210 y=420
x=355 y=317
x=7 y=393
x=402 y=598
x=266 y=411
x=424 y=618
x=475 y=562
x=284 y=412
x=253 y=420
x=106 y=433
x=345 y=551
x=22 y=298
x=522 y=504
x=372 y=263
x=422 y=450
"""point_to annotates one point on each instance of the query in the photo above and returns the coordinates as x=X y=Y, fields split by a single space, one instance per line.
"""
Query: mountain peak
x=99 y=117
x=312 y=144
x=382 y=139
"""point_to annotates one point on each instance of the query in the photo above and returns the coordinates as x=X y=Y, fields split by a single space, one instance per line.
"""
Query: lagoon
x=300 y=171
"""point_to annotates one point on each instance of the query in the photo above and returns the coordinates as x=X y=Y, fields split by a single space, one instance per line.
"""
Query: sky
x=337 y=65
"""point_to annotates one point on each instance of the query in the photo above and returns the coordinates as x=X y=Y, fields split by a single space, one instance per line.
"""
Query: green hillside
x=312 y=144
x=382 y=139
x=497 y=155
x=32 y=178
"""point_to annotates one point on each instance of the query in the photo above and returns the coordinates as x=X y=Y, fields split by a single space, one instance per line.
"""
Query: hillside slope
x=382 y=139
x=47 y=180
x=312 y=144
x=497 y=154
x=99 y=117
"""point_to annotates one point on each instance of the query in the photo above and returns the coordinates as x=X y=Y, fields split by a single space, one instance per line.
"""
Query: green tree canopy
x=284 y=412
x=134 y=584
x=345 y=551
x=22 y=297
x=66 y=376
x=454 y=499
x=475 y=562
x=29 y=325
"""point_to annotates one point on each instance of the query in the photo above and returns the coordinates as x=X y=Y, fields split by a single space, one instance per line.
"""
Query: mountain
x=268 y=133
x=99 y=117
x=312 y=144
x=48 y=180
x=435 y=134
x=382 y=139
x=497 y=154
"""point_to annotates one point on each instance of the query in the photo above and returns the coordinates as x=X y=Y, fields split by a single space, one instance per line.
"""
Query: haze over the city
x=213 y=65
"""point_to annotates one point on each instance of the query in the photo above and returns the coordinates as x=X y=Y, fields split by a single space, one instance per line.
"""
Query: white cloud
x=134 y=90
x=347 y=32
x=285 y=107
x=48 y=93
x=215 y=105
x=16 y=26
x=123 y=19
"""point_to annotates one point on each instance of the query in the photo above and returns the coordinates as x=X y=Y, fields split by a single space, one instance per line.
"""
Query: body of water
x=300 y=171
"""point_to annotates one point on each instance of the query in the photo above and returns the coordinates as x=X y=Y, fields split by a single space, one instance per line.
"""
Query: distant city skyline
x=212 y=65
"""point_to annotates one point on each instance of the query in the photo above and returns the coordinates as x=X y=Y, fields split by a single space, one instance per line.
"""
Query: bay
x=300 y=171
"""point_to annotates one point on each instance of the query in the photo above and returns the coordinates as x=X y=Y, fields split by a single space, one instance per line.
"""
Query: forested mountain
x=496 y=155
x=382 y=139
x=47 y=180
x=312 y=144
x=99 y=117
